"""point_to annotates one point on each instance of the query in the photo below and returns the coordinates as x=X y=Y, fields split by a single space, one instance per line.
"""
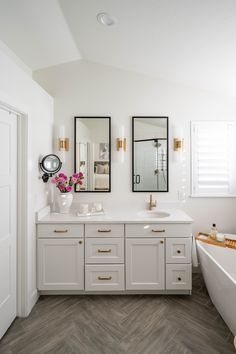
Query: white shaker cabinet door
x=179 y=276
x=61 y=264
x=145 y=264
x=178 y=250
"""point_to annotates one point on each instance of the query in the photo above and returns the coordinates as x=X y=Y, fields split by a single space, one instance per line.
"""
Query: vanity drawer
x=158 y=230
x=104 y=230
x=104 y=277
x=104 y=250
x=178 y=250
x=60 y=230
x=178 y=276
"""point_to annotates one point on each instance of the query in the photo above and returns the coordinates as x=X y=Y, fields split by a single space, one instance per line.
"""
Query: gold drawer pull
x=158 y=230
x=161 y=241
x=104 y=230
x=61 y=231
x=104 y=250
x=105 y=278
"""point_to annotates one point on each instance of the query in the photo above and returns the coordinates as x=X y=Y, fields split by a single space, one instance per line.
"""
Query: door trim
x=22 y=210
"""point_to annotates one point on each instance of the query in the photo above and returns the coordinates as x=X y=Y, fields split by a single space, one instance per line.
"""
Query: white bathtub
x=218 y=266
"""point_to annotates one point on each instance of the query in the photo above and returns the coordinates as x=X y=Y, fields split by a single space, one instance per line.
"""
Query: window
x=213 y=146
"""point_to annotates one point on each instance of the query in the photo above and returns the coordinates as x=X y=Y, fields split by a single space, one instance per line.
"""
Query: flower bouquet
x=65 y=184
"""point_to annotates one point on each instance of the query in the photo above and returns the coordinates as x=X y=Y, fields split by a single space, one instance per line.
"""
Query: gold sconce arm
x=64 y=144
x=121 y=144
x=178 y=144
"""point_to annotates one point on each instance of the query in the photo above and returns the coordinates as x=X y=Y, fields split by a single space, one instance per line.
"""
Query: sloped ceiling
x=36 y=31
x=186 y=41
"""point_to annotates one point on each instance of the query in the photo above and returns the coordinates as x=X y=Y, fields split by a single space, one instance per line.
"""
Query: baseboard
x=121 y=292
x=33 y=299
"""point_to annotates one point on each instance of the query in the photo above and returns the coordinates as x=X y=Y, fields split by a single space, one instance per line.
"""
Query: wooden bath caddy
x=204 y=237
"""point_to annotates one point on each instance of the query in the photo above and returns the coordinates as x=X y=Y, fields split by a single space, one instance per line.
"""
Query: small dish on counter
x=90 y=209
x=91 y=213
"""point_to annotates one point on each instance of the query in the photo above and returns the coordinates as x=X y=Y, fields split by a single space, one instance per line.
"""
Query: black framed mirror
x=50 y=165
x=150 y=154
x=92 y=153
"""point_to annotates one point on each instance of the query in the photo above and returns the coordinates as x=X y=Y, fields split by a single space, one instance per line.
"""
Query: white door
x=8 y=218
x=145 y=267
x=61 y=264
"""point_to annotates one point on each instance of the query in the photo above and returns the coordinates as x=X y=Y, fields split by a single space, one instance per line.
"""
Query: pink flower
x=73 y=179
x=69 y=188
x=75 y=175
x=63 y=176
x=60 y=180
x=81 y=174
x=61 y=187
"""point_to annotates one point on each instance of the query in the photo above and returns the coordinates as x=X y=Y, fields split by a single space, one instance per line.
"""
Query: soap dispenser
x=213 y=232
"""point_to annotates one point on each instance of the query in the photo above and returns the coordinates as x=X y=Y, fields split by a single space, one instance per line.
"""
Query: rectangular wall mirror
x=150 y=154
x=93 y=153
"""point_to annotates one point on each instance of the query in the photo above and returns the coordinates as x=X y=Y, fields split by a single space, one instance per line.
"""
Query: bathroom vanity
x=140 y=253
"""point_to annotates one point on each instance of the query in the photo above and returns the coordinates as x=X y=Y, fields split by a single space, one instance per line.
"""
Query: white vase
x=64 y=201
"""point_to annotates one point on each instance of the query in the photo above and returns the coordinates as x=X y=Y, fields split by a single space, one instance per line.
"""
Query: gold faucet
x=152 y=204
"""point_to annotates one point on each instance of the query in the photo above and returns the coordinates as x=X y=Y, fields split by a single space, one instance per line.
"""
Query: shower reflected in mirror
x=150 y=154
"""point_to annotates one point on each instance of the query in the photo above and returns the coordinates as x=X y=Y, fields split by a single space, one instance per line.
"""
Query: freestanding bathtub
x=218 y=266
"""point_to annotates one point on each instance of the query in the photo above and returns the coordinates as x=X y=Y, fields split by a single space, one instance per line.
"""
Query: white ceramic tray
x=91 y=213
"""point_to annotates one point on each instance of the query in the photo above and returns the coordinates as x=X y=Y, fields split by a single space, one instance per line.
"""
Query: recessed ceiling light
x=105 y=19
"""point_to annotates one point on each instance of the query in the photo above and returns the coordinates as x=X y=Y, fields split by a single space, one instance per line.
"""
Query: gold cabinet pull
x=104 y=230
x=153 y=230
x=161 y=241
x=105 y=278
x=60 y=231
x=104 y=250
x=80 y=242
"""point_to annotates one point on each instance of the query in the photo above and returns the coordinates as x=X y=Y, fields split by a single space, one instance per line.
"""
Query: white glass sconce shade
x=121 y=143
x=178 y=144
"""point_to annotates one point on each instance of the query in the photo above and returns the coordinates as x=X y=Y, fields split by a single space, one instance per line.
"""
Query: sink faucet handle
x=152 y=203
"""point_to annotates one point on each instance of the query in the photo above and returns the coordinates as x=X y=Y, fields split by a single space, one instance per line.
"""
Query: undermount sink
x=153 y=214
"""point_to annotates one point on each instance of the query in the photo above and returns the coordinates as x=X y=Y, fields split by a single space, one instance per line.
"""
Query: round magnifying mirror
x=50 y=165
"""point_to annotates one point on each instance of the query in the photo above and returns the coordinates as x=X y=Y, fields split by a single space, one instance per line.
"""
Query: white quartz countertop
x=176 y=216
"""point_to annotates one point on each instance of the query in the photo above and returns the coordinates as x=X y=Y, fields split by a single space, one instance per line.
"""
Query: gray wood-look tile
x=132 y=324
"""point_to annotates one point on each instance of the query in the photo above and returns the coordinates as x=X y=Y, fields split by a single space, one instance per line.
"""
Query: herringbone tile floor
x=121 y=325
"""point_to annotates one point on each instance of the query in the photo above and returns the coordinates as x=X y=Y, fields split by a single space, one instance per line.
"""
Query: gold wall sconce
x=121 y=144
x=64 y=144
x=178 y=144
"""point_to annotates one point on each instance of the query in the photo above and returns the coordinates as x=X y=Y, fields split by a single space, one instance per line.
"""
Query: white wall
x=82 y=88
x=17 y=89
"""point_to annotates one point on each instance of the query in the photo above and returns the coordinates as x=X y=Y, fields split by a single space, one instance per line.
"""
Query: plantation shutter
x=213 y=158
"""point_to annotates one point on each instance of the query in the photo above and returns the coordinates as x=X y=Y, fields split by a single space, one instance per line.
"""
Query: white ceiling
x=188 y=41
x=37 y=32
